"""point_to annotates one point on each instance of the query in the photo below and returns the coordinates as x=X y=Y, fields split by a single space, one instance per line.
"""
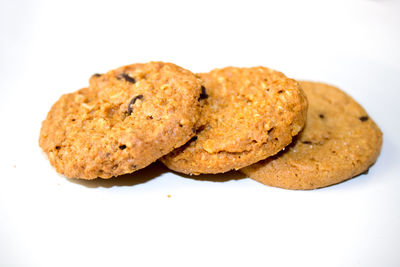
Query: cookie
x=125 y=120
x=250 y=114
x=339 y=141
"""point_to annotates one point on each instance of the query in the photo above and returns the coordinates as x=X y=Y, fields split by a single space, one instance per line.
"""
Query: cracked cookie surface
x=126 y=119
x=249 y=114
x=338 y=142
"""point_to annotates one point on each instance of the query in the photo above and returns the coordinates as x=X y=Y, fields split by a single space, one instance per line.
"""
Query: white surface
x=52 y=47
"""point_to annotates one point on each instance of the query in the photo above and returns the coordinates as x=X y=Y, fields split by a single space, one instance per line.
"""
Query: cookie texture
x=126 y=119
x=338 y=142
x=249 y=114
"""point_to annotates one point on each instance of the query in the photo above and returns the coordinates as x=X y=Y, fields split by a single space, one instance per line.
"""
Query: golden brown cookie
x=125 y=120
x=250 y=114
x=338 y=142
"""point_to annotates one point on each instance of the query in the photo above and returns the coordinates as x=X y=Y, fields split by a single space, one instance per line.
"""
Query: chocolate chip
x=203 y=94
x=363 y=118
x=280 y=91
x=271 y=130
x=199 y=129
x=126 y=77
x=149 y=117
x=322 y=116
x=122 y=147
x=132 y=103
x=307 y=142
x=58 y=147
x=96 y=75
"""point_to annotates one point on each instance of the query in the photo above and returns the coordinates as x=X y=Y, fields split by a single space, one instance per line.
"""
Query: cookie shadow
x=142 y=176
x=218 y=178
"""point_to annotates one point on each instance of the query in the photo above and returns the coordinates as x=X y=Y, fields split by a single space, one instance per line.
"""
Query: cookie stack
x=253 y=119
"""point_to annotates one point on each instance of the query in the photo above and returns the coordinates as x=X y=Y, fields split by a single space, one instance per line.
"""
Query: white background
x=52 y=47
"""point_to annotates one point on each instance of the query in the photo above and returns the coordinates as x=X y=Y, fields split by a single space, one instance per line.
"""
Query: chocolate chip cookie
x=249 y=115
x=126 y=119
x=339 y=141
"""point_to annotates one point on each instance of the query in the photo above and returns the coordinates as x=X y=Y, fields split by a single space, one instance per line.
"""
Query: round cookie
x=338 y=142
x=249 y=114
x=125 y=120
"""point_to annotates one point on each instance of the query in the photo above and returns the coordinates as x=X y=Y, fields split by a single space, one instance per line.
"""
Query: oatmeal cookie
x=339 y=141
x=126 y=119
x=249 y=115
